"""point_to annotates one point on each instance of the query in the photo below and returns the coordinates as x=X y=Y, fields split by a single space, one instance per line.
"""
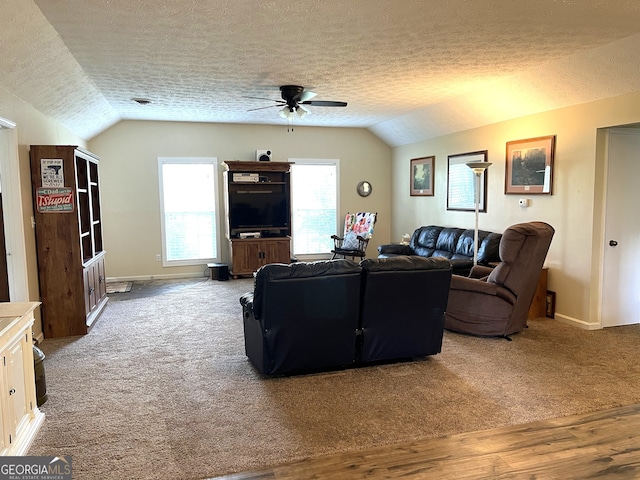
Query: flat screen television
x=259 y=211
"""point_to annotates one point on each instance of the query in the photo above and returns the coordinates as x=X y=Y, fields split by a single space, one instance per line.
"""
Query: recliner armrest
x=246 y=300
x=474 y=285
x=395 y=248
x=480 y=271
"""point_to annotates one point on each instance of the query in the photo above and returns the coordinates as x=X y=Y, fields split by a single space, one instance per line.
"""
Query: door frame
x=605 y=193
x=13 y=212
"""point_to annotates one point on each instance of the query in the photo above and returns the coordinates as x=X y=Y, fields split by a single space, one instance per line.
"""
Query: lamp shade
x=478 y=167
x=286 y=113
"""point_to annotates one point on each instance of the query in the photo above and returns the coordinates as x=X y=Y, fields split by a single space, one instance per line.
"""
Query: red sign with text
x=54 y=200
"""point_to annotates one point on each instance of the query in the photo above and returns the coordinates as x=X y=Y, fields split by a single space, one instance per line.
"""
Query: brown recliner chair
x=495 y=302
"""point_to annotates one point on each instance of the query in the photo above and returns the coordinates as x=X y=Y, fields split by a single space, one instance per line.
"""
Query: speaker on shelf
x=263 y=155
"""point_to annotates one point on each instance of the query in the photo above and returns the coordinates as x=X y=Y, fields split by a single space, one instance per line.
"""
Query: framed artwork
x=461 y=182
x=422 y=176
x=529 y=166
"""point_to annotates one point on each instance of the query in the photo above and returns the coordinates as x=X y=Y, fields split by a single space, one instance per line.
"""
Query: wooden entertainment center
x=258 y=214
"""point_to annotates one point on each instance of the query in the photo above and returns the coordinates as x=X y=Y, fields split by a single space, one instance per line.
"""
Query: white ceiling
x=409 y=69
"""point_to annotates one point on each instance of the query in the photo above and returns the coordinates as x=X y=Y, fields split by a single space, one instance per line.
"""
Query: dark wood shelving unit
x=68 y=223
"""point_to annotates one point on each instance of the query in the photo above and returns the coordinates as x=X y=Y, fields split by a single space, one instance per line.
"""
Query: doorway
x=621 y=276
x=12 y=233
x=4 y=273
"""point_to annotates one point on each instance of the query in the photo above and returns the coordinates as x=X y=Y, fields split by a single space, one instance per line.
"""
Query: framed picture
x=461 y=182
x=422 y=176
x=529 y=166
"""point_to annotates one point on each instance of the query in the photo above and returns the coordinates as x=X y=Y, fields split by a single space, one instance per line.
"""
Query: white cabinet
x=20 y=418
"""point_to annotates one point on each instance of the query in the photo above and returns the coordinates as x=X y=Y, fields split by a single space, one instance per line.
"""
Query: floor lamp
x=478 y=168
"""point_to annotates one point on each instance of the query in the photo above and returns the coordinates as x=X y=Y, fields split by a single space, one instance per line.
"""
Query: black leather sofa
x=454 y=244
x=330 y=314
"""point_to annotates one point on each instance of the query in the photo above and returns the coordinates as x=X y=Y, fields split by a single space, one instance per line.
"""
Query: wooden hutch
x=68 y=224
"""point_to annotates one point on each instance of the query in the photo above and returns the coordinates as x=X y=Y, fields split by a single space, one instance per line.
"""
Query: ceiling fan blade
x=262 y=108
x=325 y=103
x=306 y=96
x=262 y=98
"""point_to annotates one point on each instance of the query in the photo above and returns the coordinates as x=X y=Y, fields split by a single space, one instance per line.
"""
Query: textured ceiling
x=409 y=69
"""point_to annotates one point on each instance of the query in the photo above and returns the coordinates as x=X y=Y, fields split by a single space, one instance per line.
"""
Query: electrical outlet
x=158 y=257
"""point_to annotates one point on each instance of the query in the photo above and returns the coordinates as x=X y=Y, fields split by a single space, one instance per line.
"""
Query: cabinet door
x=5 y=439
x=246 y=257
x=19 y=409
x=101 y=280
x=89 y=289
x=276 y=251
x=20 y=417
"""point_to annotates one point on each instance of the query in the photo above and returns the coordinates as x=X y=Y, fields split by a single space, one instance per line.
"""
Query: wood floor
x=600 y=445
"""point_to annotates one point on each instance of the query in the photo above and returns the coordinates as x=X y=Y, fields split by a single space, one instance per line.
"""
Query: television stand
x=249 y=254
x=258 y=214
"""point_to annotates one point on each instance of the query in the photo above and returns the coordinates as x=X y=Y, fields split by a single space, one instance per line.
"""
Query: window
x=314 y=205
x=188 y=201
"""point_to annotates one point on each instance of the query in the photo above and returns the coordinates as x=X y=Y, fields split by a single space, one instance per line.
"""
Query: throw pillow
x=350 y=242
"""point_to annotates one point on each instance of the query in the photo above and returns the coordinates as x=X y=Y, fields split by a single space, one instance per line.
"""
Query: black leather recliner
x=302 y=316
x=403 y=304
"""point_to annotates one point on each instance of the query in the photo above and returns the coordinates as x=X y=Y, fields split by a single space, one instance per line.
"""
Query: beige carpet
x=119 y=287
x=161 y=388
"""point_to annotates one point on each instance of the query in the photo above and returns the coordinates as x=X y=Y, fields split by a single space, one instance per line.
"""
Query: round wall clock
x=364 y=189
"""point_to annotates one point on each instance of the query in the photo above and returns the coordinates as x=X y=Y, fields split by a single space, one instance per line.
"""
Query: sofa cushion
x=281 y=271
x=423 y=251
x=461 y=264
x=405 y=262
x=448 y=240
x=489 y=249
x=425 y=238
x=393 y=249
x=488 y=243
x=465 y=243
x=339 y=266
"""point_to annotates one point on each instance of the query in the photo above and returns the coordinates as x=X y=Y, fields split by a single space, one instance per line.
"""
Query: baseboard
x=39 y=338
x=169 y=276
x=28 y=435
x=576 y=322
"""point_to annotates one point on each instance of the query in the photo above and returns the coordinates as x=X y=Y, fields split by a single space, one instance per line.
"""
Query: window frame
x=218 y=214
x=338 y=228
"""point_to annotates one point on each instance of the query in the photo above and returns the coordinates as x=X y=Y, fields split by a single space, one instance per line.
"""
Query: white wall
x=32 y=128
x=129 y=178
x=574 y=209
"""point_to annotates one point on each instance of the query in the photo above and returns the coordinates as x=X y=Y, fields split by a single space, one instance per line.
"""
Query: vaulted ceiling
x=409 y=69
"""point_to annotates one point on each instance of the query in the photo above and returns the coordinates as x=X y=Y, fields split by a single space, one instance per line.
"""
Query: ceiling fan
x=294 y=99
